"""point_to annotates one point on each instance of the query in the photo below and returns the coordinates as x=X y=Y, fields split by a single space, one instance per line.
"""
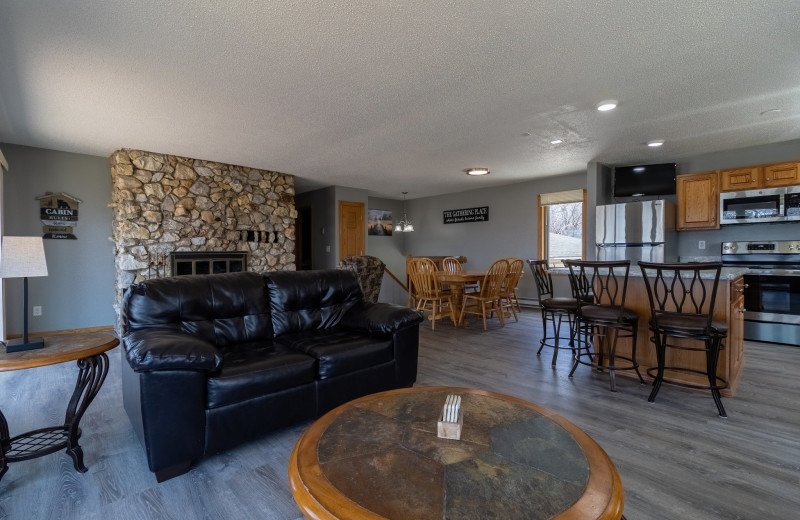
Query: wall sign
x=454 y=216
x=59 y=214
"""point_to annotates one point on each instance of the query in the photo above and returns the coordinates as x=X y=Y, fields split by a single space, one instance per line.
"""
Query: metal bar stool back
x=554 y=310
x=602 y=318
x=682 y=298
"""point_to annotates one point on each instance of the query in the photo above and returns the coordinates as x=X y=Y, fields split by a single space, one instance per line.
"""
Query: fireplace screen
x=193 y=262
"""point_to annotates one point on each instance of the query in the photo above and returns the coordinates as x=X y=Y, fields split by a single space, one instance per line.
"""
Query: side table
x=88 y=349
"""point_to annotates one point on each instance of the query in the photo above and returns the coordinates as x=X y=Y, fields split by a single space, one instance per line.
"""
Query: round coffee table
x=88 y=349
x=379 y=457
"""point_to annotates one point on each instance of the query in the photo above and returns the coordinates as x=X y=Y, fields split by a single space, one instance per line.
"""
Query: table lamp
x=22 y=257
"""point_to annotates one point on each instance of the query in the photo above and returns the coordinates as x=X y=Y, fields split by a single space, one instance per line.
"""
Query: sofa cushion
x=254 y=369
x=306 y=300
x=223 y=309
x=339 y=351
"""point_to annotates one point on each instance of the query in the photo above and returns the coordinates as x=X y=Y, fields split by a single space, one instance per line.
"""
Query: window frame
x=542 y=227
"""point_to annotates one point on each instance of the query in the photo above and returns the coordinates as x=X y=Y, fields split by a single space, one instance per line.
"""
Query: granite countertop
x=728 y=273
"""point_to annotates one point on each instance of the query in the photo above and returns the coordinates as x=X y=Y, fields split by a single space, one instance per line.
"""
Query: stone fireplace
x=163 y=204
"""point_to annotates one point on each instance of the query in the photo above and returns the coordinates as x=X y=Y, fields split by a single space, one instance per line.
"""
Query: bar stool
x=553 y=309
x=599 y=288
x=682 y=300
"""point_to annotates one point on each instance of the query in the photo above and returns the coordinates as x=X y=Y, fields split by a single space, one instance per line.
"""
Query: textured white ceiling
x=400 y=96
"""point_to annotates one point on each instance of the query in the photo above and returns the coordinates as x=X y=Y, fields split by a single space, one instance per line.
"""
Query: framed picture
x=379 y=222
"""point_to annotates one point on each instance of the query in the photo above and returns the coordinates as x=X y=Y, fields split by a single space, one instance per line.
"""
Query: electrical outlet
x=327 y=249
x=37 y=310
x=701 y=244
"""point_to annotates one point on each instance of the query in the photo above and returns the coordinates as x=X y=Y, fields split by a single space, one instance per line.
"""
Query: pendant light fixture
x=404 y=225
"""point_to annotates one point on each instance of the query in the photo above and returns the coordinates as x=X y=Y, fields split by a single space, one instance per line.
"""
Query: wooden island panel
x=728 y=309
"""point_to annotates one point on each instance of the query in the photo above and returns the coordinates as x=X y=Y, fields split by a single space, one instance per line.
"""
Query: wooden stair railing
x=391 y=274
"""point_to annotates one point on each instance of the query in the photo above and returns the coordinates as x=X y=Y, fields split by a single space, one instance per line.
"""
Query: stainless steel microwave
x=767 y=205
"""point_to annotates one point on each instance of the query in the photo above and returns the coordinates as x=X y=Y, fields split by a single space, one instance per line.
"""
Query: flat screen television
x=644 y=180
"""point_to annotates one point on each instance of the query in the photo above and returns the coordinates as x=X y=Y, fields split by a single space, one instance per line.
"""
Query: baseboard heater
x=529 y=302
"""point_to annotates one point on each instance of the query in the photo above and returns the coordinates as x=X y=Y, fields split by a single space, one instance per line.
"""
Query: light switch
x=327 y=249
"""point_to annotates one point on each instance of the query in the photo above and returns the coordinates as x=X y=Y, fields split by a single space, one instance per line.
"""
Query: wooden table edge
x=604 y=480
x=19 y=360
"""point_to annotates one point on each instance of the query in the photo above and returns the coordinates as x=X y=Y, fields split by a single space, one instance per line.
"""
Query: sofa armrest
x=165 y=349
x=379 y=318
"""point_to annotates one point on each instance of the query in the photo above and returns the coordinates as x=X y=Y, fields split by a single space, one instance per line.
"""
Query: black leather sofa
x=212 y=361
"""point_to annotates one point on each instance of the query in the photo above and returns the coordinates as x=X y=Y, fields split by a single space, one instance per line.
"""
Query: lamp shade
x=22 y=257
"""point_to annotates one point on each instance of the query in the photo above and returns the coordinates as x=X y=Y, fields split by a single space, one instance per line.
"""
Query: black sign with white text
x=454 y=216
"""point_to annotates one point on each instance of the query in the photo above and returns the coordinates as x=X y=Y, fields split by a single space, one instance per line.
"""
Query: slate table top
x=380 y=457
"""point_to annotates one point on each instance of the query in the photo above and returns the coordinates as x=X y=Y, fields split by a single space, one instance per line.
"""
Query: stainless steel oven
x=767 y=205
x=772 y=288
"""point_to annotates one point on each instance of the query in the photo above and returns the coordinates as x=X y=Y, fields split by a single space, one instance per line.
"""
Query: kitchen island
x=728 y=309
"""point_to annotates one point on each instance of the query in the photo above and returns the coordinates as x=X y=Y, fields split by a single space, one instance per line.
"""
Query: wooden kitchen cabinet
x=698 y=201
x=782 y=174
x=737 y=179
x=734 y=343
x=727 y=310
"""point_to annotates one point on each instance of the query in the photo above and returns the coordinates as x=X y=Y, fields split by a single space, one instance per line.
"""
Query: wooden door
x=740 y=179
x=351 y=229
x=785 y=174
x=698 y=201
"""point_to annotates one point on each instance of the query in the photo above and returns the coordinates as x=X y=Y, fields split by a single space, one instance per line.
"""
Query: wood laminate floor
x=677 y=458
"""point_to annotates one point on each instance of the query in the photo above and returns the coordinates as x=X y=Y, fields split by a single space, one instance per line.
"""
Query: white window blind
x=561 y=197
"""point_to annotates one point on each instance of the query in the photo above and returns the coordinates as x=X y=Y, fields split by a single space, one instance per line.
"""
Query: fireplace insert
x=211 y=262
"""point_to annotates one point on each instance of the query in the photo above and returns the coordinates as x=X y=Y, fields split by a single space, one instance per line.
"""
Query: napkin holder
x=450 y=430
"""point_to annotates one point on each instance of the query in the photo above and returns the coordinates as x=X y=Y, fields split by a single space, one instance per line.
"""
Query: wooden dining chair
x=451 y=265
x=487 y=300
x=426 y=291
x=508 y=292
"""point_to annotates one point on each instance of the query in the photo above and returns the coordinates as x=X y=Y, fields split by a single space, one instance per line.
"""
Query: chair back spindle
x=681 y=289
x=542 y=278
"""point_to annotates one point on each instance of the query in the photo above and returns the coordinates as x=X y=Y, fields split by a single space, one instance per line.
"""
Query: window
x=562 y=233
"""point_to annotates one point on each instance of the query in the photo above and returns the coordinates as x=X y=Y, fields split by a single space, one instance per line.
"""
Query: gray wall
x=389 y=249
x=325 y=215
x=688 y=240
x=599 y=191
x=323 y=225
x=510 y=231
x=79 y=289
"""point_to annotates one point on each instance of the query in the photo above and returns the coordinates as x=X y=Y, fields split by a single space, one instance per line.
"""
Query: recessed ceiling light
x=478 y=171
x=556 y=141
x=770 y=111
x=608 y=104
x=655 y=144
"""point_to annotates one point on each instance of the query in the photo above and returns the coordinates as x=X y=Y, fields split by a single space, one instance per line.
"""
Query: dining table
x=457 y=282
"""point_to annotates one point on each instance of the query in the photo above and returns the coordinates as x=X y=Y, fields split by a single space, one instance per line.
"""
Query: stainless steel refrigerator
x=637 y=231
